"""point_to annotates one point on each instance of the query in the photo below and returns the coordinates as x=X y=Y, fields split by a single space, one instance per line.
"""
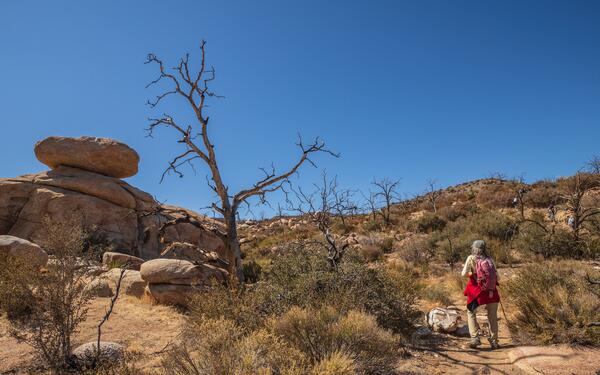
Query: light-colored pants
x=492 y=315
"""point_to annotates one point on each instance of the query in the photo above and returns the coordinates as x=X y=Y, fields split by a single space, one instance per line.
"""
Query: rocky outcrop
x=23 y=250
x=101 y=155
x=118 y=215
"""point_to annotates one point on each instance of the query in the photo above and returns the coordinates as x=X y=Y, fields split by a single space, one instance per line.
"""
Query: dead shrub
x=554 y=304
x=437 y=293
x=337 y=363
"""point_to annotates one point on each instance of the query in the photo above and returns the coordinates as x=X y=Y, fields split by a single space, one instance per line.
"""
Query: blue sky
x=451 y=90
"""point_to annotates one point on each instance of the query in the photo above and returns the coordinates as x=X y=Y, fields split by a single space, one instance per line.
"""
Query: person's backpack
x=486 y=274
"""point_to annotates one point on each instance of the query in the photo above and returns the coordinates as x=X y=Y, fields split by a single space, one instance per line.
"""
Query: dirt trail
x=448 y=354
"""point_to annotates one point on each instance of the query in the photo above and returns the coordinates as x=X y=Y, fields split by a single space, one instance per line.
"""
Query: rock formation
x=84 y=181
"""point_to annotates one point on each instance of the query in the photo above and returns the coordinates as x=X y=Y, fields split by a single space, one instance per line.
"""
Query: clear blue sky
x=453 y=90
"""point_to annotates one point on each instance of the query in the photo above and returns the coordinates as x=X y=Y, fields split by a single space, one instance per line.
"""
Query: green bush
x=252 y=271
x=301 y=276
x=554 y=304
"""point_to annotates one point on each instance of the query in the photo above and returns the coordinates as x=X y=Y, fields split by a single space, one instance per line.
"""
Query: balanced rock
x=86 y=354
x=101 y=155
x=23 y=250
x=113 y=259
x=443 y=320
x=181 y=272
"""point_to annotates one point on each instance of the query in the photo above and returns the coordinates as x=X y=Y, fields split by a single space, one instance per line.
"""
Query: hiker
x=481 y=290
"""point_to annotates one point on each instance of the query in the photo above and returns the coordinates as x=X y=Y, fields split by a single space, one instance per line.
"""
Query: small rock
x=110 y=352
x=443 y=320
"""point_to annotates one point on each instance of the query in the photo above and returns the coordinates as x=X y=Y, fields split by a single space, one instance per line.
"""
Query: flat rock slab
x=556 y=360
x=101 y=155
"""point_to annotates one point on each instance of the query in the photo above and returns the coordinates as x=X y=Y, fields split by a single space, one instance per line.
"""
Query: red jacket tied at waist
x=473 y=292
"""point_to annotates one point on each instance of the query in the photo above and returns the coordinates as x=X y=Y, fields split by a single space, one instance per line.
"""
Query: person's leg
x=492 y=315
x=473 y=328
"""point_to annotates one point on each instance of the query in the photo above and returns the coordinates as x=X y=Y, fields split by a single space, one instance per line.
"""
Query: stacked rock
x=23 y=251
x=86 y=180
x=174 y=281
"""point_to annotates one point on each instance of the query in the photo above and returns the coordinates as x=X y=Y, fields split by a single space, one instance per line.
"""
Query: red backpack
x=486 y=274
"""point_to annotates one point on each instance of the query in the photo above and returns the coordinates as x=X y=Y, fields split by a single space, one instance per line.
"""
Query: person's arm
x=467 y=267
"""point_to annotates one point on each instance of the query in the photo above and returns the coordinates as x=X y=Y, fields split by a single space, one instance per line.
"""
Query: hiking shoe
x=494 y=346
x=474 y=344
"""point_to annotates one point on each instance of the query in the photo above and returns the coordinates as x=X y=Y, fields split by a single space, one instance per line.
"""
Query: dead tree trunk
x=193 y=88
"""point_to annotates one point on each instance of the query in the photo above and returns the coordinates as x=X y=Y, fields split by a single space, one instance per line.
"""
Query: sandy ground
x=137 y=324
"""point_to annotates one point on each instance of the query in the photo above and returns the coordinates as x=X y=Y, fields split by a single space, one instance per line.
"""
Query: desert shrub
x=437 y=293
x=301 y=276
x=386 y=245
x=559 y=242
x=418 y=251
x=58 y=298
x=371 y=225
x=252 y=271
x=219 y=347
x=543 y=194
x=337 y=363
x=453 y=213
x=430 y=223
x=492 y=225
x=554 y=304
x=320 y=333
x=371 y=253
x=16 y=296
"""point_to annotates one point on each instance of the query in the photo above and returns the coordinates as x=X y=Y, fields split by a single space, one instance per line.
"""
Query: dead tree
x=193 y=88
x=432 y=194
x=385 y=195
x=593 y=165
x=326 y=202
x=577 y=190
x=108 y=313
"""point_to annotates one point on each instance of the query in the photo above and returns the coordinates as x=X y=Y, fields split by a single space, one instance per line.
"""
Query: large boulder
x=101 y=155
x=180 y=272
x=23 y=250
x=443 y=320
x=86 y=355
x=189 y=252
x=171 y=294
x=113 y=259
x=132 y=283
